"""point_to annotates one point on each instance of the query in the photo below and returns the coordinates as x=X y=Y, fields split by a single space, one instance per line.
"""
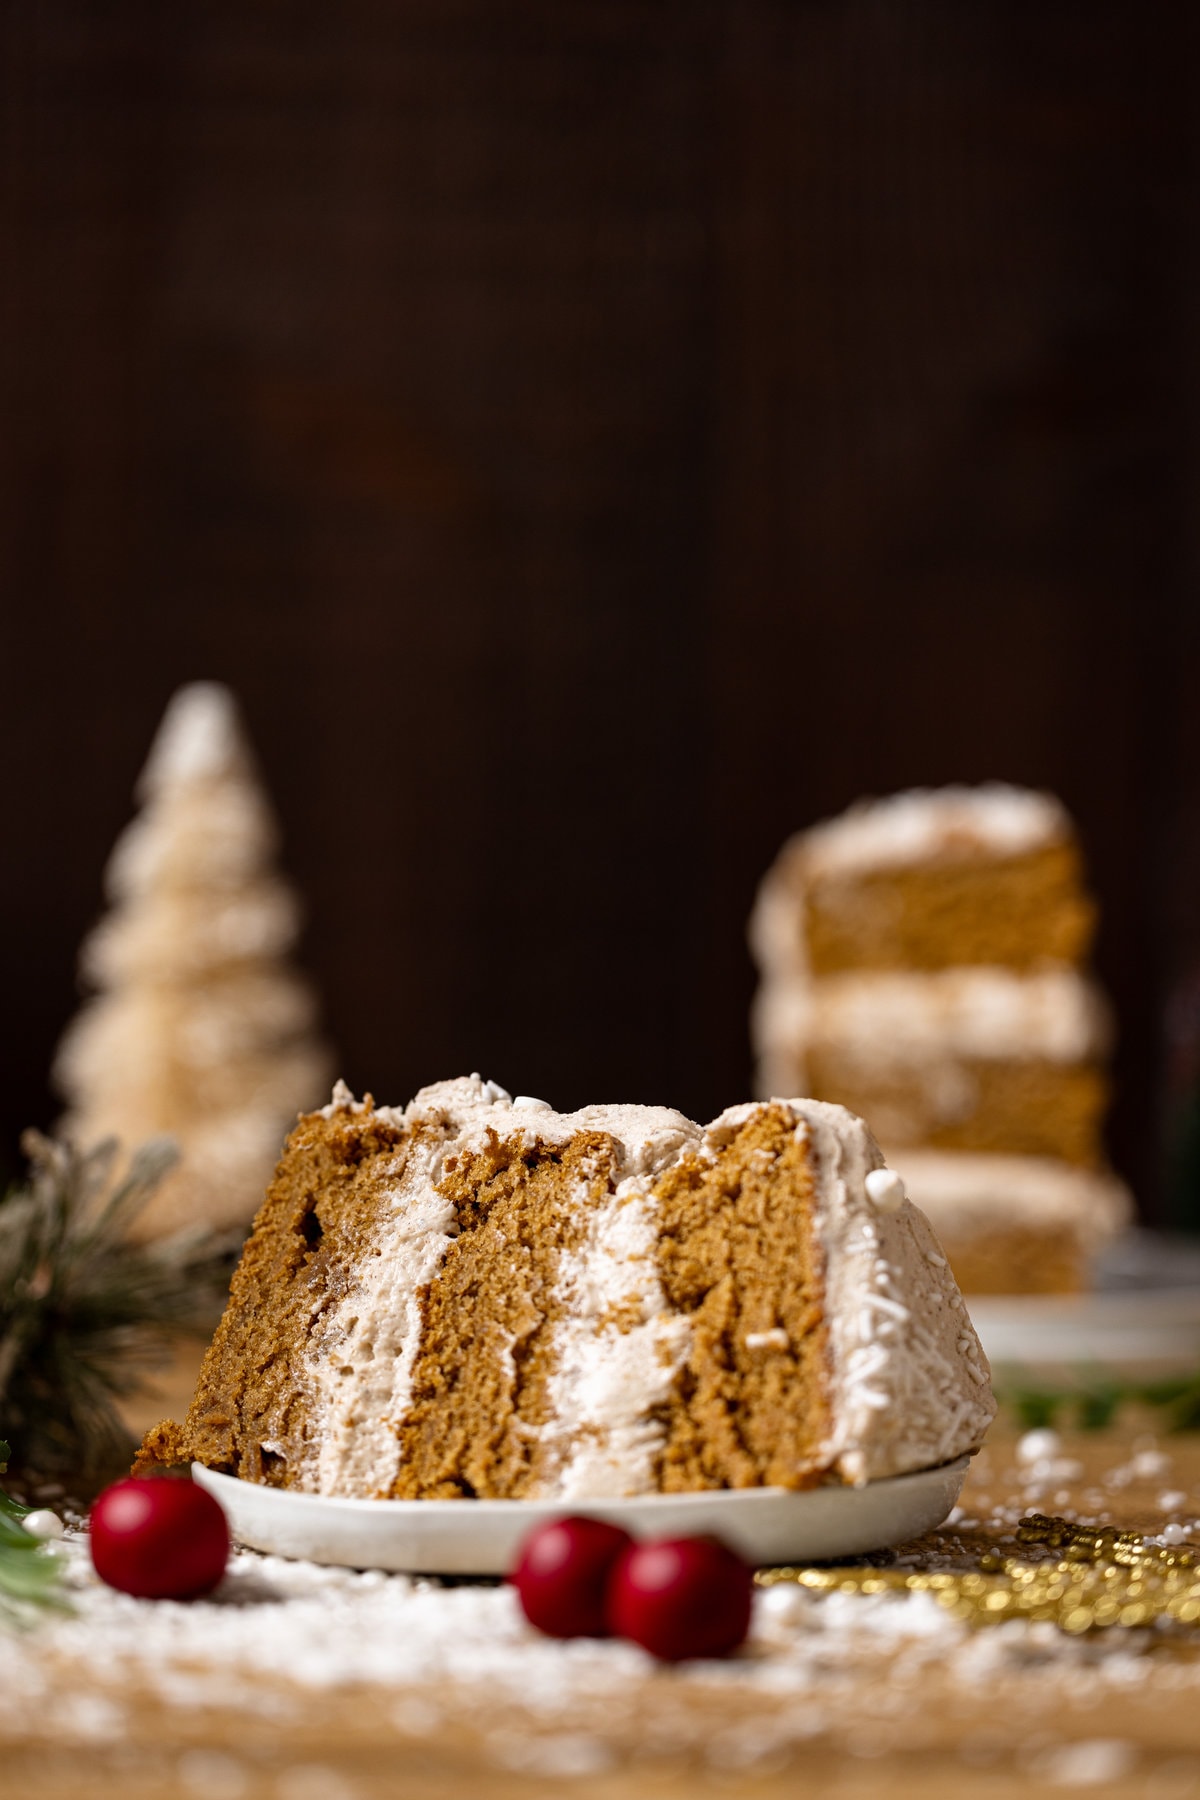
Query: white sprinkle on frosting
x=775 y=1339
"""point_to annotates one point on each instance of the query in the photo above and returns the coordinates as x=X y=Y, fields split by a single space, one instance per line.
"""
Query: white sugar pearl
x=1172 y=1501
x=1173 y=1534
x=1036 y=1446
x=885 y=1190
x=43 y=1523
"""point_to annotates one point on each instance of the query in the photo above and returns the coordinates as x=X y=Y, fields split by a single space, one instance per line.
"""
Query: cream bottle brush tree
x=199 y=1027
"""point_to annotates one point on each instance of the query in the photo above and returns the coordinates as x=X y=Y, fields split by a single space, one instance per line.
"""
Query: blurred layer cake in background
x=923 y=962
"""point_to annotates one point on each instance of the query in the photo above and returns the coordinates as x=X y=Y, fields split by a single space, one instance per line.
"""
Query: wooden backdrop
x=595 y=438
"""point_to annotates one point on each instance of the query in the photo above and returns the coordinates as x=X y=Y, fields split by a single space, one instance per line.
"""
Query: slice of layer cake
x=475 y=1296
x=922 y=963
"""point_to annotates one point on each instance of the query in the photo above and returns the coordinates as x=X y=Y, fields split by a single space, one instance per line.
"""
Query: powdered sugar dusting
x=282 y=1646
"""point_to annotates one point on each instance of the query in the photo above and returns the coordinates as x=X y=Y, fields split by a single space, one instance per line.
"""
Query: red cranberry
x=161 y=1539
x=562 y=1575
x=681 y=1597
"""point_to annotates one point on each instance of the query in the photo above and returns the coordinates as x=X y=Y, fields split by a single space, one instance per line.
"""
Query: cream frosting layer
x=992 y=820
x=360 y=1360
x=970 y=1194
x=611 y=1380
x=909 y=1383
x=885 y=1018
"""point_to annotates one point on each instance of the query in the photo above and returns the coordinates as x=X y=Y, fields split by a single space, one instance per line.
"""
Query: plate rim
x=413 y=1509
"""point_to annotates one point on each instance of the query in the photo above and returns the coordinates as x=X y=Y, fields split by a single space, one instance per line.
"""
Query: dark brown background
x=595 y=439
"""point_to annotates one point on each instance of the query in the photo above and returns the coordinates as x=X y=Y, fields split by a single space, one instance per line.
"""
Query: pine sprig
x=29 y=1572
x=84 y=1314
x=1095 y=1402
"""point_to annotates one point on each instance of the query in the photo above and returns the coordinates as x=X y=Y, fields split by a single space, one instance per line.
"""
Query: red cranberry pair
x=677 y=1597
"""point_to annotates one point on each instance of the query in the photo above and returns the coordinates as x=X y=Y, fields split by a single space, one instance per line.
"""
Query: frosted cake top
x=993 y=820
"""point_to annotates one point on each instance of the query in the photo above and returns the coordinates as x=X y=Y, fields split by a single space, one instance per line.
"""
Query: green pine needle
x=29 y=1571
x=84 y=1314
x=1096 y=1400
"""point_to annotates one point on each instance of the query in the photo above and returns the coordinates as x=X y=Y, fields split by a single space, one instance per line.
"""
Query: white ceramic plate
x=481 y=1537
x=1150 y=1331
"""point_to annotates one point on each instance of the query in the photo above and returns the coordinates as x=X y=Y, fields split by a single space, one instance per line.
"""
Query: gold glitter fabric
x=1089 y=1577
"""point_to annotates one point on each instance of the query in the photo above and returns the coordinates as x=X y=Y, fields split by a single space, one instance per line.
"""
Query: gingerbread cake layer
x=480 y=1297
